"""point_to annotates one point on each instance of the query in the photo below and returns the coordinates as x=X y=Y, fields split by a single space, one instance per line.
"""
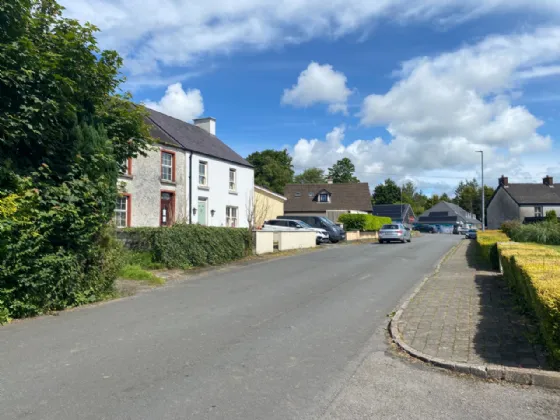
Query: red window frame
x=172 y=153
x=173 y=195
x=129 y=169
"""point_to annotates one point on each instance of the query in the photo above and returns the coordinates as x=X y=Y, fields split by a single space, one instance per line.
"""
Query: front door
x=201 y=211
x=166 y=216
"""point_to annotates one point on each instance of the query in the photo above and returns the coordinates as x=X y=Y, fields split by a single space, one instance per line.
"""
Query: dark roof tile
x=534 y=193
x=354 y=196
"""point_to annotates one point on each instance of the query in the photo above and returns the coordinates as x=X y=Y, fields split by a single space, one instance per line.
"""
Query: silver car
x=394 y=232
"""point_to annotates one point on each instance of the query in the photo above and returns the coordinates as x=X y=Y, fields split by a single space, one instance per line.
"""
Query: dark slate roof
x=394 y=211
x=354 y=196
x=533 y=193
x=178 y=133
x=445 y=212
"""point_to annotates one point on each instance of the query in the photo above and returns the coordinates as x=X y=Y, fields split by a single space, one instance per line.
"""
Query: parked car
x=394 y=232
x=425 y=228
x=471 y=234
x=322 y=234
x=336 y=233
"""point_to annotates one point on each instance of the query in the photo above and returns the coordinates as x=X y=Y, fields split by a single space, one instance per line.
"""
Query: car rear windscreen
x=387 y=227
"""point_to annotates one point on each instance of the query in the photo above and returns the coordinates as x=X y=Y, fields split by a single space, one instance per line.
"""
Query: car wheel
x=381 y=241
x=409 y=240
x=334 y=241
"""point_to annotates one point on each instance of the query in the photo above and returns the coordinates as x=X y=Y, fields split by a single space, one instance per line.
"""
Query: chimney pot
x=548 y=180
x=207 y=123
x=329 y=180
x=503 y=181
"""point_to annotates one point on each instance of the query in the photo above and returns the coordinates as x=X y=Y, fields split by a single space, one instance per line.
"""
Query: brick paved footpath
x=466 y=313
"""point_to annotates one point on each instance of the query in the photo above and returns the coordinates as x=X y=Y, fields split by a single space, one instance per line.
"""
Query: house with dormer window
x=328 y=200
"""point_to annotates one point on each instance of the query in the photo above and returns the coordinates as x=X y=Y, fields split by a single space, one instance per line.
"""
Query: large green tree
x=311 y=176
x=342 y=172
x=273 y=169
x=387 y=193
x=64 y=136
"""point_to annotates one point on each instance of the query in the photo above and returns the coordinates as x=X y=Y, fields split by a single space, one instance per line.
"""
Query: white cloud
x=154 y=34
x=179 y=104
x=444 y=108
x=319 y=84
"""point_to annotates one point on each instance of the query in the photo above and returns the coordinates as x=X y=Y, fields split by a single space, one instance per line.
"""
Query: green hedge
x=486 y=244
x=363 y=222
x=185 y=246
x=547 y=233
x=533 y=272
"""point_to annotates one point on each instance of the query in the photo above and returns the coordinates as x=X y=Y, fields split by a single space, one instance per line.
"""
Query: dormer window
x=298 y=194
x=323 y=198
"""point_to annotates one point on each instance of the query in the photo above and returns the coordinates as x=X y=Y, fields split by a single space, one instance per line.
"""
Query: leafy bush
x=533 y=272
x=542 y=233
x=486 y=244
x=363 y=222
x=185 y=246
x=551 y=216
x=509 y=225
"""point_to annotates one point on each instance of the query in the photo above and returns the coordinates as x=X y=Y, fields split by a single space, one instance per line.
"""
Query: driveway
x=287 y=339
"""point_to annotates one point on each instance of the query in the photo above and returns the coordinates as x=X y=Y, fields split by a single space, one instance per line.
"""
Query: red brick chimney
x=548 y=180
x=503 y=181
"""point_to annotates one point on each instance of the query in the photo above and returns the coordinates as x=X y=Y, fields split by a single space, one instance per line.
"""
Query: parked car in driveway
x=336 y=233
x=277 y=224
x=425 y=228
x=394 y=232
x=471 y=234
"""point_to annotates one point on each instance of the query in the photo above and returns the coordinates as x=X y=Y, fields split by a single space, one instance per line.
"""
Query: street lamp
x=482 y=176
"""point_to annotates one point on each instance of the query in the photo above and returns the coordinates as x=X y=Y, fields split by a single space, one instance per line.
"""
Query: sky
x=406 y=89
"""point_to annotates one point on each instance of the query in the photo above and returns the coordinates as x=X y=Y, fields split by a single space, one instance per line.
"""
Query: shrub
x=542 y=233
x=363 y=222
x=508 y=226
x=551 y=216
x=185 y=246
x=533 y=272
x=486 y=244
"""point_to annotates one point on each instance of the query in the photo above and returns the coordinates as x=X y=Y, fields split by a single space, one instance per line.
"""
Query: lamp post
x=482 y=180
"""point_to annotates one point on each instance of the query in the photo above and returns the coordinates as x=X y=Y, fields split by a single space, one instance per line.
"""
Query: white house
x=190 y=176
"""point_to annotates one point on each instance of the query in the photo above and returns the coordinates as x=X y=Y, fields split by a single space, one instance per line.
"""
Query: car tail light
x=399 y=232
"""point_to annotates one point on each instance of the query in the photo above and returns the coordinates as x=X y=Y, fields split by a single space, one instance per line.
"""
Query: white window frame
x=203 y=164
x=233 y=184
x=166 y=166
x=539 y=211
x=119 y=212
x=323 y=195
x=232 y=214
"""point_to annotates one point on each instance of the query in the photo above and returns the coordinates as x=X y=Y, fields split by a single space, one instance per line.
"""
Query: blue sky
x=407 y=89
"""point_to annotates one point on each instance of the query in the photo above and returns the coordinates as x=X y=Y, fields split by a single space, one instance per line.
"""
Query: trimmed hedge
x=486 y=243
x=363 y=222
x=533 y=272
x=185 y=246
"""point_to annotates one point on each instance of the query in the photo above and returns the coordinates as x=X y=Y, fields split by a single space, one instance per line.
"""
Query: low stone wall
x=355 y=235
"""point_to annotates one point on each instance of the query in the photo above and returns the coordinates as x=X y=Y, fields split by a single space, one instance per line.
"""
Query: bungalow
x=327 y=200
x=401 y=213
x=446 y=214
x=524 y=202
x=190 y=176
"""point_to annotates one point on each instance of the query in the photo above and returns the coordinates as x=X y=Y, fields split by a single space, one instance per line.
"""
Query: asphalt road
x=292 y=338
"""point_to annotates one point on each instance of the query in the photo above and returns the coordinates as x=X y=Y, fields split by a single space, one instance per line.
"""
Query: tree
x=273 y=169
x=311 y=176
x=64 y=136
x=551 y=216
x=342 y=172
x=468 y=196
x=387 y=193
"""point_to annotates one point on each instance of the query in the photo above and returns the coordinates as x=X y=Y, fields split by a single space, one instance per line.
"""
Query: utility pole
x=482 y=179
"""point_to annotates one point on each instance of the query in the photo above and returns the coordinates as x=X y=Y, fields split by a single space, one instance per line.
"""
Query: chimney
x=329 y=180
x=503 y=181
x=207 y=124
x=548 y=180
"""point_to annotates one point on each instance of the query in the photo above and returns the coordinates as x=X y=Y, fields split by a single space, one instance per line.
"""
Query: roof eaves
x=258 y=187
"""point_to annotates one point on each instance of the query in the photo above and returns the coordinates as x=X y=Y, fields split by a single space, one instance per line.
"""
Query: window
x=538 y=211
x=323 y=198
x=232 y=180
x=127 y=167
x=203 y=173
x=231 y=216
x=310 y=194
x=122 y=211
x=168 y=166
x=298 y=194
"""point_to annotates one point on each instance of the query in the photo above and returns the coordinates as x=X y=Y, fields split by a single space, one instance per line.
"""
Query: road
x=292 y=338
